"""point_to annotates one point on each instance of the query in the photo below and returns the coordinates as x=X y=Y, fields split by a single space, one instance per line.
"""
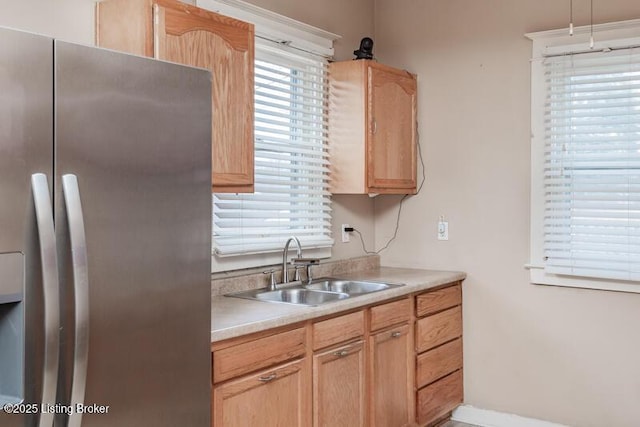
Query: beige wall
x=70 y=20
x=73 y=20
x=564 y=355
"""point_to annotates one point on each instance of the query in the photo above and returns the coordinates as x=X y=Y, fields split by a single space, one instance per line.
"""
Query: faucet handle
x=305 y=262
x=296 y=276
x=272 y=279
x=309 y=278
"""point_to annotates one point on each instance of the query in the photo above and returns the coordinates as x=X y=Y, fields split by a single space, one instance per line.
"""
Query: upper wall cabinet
x=177 y=32
x=372 y=128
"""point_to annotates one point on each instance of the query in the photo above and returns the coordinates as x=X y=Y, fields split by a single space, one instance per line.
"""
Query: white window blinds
x=291 y=161
x=592 y=165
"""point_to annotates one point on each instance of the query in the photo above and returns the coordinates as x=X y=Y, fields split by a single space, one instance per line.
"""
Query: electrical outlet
x=443 y=230
x=346 y=237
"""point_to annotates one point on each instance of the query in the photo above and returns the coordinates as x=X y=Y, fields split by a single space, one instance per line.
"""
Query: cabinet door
x=391 y=142
x=338 y=387
x=193 y=36
x=274 y=398
x=391 y=358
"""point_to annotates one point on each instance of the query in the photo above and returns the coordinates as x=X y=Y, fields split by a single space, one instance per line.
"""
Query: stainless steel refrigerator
x=105 y=237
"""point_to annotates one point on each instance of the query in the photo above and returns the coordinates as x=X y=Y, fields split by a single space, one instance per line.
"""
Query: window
x=586 y=159
x=291 y=158
x=291 y=162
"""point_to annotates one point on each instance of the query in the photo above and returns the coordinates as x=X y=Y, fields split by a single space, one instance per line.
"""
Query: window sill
x=539 y=277
x=223 y=264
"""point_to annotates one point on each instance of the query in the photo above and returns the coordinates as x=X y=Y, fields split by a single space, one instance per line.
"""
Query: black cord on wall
x=395 y=232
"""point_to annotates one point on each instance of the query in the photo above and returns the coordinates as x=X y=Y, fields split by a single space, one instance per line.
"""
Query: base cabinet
x=393 y=364
x=271 y=398
x=391 y=358
x=438 y=335
x=438 y=399
x=339 y=387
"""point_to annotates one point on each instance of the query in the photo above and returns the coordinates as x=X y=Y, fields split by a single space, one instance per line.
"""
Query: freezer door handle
x=78 y=241
x=47 y=240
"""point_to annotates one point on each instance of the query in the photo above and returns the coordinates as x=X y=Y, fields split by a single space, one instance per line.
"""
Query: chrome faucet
x=285 y=270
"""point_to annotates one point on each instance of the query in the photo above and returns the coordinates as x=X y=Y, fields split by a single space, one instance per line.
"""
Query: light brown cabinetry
x=339 y=371
x=391 y=393
x=274 y=398
x=338 y=329
x=437 y=363
x=372 y=122
x=339 y=387
x=438 y=336
x=257 y=354
x=177 y=32
x=278 y=394
x=392 y=313
x=388 y=365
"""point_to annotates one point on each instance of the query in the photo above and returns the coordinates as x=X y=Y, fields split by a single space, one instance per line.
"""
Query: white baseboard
x=486 y=418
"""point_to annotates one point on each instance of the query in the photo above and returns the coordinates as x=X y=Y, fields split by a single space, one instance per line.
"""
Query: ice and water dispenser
x=12 y=327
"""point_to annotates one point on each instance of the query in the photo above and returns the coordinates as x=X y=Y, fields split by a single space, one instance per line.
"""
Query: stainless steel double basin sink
x=319 y=291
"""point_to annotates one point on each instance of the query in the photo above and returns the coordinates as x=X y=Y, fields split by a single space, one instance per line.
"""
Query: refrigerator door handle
x=50 y=290
x=78 y=241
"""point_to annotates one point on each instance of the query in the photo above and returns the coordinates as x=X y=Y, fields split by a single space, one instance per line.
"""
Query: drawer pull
x=341 y=353
x=267 y=378
x=396 y=334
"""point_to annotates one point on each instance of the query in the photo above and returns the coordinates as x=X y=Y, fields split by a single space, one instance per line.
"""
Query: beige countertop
x=233 y=317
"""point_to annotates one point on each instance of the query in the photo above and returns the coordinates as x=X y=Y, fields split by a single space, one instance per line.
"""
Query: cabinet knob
x=396 y=334
x=374 y=126
x=267 y=378
x=341 y=353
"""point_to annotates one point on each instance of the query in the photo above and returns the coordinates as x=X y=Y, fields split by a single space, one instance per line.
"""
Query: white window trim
x=553 y=42
x=271 y=27
x=276 y=27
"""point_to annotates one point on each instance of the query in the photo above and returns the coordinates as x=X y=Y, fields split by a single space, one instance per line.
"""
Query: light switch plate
x=443 y=230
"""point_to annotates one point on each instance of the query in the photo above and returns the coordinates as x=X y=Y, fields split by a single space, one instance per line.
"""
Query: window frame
x=555 y=42
x=287 y=34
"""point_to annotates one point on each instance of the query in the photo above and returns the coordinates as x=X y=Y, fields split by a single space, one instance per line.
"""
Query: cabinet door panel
x=388 y=314
x=437 y=363
x=192 y=36
x=434 y=301
x=257 y=354
x=431 y=331
x=273 y=398
x=392 y=141
x=391 y=356
x=338 y=387
x=435 y=400
x=338 y=330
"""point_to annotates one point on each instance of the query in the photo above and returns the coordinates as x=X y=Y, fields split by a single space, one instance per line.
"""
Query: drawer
x=439 y=398
x=439 y=362
x=432 y=302
x=278 y=396
x=250 y=356
x=390 y=314
x=337 y=330
x=439 y=328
